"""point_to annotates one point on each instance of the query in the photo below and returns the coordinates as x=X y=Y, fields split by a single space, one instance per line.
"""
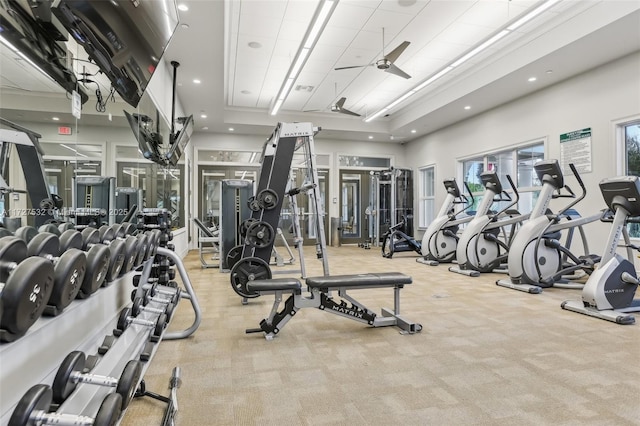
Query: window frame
x=424 y=217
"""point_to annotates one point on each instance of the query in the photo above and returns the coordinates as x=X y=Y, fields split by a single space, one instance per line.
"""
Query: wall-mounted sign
x=575 y=147
x=64 y=130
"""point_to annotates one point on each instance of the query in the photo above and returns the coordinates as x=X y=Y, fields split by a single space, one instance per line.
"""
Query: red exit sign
x=64 y=130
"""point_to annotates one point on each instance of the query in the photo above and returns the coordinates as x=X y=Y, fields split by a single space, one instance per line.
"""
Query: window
x=630 y=133
x=426 y=207
x=517 y=163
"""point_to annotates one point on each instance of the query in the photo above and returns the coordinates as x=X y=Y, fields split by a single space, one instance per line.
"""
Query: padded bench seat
x=383 y=279
x=275 y=284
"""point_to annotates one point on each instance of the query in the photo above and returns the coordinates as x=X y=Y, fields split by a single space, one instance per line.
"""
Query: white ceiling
x=239 y=82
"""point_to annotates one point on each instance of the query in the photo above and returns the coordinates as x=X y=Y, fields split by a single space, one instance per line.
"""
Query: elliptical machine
x=479 y=248
x=397 y=240
x=536 y=257
x=440 y=240
x=609 y=292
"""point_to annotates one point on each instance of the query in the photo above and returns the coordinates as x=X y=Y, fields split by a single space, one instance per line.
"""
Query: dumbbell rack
x=35 y=357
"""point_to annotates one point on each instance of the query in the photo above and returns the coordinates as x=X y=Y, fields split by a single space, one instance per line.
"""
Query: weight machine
x=259 y=230
x=392 y=198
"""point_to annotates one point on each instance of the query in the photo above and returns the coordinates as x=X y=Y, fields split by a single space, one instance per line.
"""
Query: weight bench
x=320 y=297
x=207 y=236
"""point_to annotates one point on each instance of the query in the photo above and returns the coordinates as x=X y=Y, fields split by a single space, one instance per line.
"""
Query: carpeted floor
x=486 y=356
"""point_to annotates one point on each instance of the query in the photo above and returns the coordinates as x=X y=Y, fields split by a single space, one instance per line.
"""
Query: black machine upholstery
x=384 y=279
x=276 y=284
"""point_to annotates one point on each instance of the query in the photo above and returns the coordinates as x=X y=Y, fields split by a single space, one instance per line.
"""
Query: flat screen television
x=149 y=140
x=180 y=140
x=125 y=38
x=38 y=42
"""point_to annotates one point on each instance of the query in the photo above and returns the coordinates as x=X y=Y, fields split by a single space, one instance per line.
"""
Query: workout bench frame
x=320 y=297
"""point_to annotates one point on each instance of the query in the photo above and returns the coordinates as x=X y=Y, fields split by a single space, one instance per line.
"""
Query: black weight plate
x=49 y=227
x=248 y=269
x=244 y=226
x=106 y=233
x=116 y=259
x=234 y=255
x=63 y=385
x=109 y=411
x=26 y=293
x=260 y=235
x=69 y=273
x=70 y=239
x=161 y=324
x=4 y=232
x=136 y=307
x=43 y=244
x=90 y=236
x=143 y=247
x=12 y=249
x=130 y=253
x=37 y=398
x=26 y=233
x=123 y=319
x=128 y=381
x=97 y=267
x=268 y=199
x=254 y=204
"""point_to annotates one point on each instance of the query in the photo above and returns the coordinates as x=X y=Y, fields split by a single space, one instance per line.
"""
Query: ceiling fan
x=339 y=106
x=386 y=63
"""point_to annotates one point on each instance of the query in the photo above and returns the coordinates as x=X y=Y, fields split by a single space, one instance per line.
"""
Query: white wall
x=596 y=99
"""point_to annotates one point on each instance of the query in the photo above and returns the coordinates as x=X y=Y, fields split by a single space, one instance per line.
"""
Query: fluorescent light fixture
x=231 y=129
x=55 y=118
x=74 y=150
x=480 y=48
x=529 y=16
x=253 y=157
x=23 y=56
x=473 y=52
x=318 y=22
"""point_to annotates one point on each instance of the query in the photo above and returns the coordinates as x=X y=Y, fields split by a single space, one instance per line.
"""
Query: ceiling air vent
x=303 y=88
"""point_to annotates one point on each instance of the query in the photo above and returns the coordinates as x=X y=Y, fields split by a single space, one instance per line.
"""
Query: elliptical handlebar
x=514 y=200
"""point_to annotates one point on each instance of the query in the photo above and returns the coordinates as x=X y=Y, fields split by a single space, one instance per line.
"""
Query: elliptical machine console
x=609 y=292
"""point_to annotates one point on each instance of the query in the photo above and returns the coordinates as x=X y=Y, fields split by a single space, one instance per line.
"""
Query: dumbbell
x=125 y=319
x=98 y=261
x=139 y=306
x=108 y=235
x=91 y=238
x=33 y=409
x=25 y=287
x=70 y=373
x=125 y=228
x=153 y=237
x=69 y=269
x=151 y=290
x=26 y=233
x=51 y=228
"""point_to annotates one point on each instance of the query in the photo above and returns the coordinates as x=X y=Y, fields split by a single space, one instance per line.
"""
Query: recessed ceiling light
x=413 y=130
x=370 y=137
x=203 y=115
x=549 y=71
x=196 y=81
x=183 y=7
x=55 y=118
x=467 y=107
x=254 y=45
x=231 y=129
x=246 y=92
x=531 y=79
x=391 y=137
x=185 y=26
x=205 y=128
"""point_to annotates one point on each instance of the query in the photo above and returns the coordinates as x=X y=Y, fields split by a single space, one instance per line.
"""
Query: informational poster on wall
x=575 y=147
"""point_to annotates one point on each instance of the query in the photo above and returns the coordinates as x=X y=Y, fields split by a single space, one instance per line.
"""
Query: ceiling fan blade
x=340 y=102
x=346 y=111
x=395 y=53
x=397 y=71
x=354 y=66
